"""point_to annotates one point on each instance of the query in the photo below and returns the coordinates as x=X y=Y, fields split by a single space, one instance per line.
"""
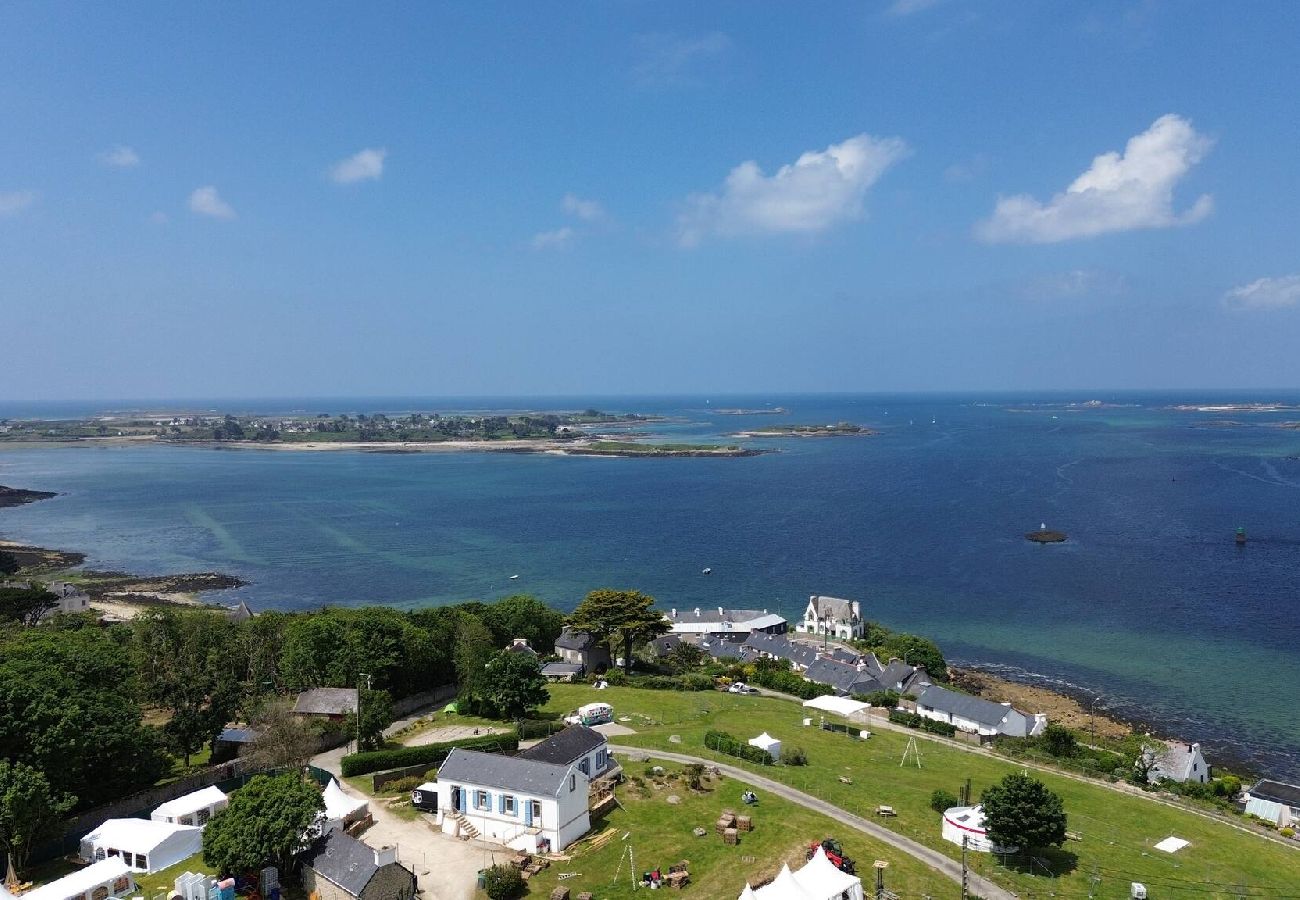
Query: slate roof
x=344 y=860
x=326 y=702
x=1277 y=792
x=237 y=736
x=565 y=747
x=976 y=709
x=1175 y=762
x=722 y=618
x=558 y=669
x=515 y=773
x=573 y=640
x=896 y=675
x=832 y=608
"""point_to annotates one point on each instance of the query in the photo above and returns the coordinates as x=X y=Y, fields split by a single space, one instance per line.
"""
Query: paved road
x=934 y=859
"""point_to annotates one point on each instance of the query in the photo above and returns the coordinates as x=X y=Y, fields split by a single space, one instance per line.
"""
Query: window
x=573 y=782
x=601 y=759
x=141 y=862
x=99 y=854
x=510 y=805
x=585 y=767
x=481 y=800
x=187 y=820
x=201 y=818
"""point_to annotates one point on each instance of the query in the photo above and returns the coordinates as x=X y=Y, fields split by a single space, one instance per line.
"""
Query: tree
x=524 y=616
x=376 y=714
x=26 y=606
x=685 y=658
x=474 y=649
x=282 y=740
x=1021 y=812
x=918 y=651
x=1059 y=740
x=263 y=825
x=619 y=618
x=514 y=685
x=8 y=563
x=30 y=810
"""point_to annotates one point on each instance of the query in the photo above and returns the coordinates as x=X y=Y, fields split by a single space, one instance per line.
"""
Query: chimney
x=385 y=854
x=720 y=612
x=697 y=612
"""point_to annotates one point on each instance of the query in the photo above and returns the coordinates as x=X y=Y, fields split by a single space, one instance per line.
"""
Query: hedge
x=428 y=754
x=733 y=746
x=912 y=720
x=788 y=682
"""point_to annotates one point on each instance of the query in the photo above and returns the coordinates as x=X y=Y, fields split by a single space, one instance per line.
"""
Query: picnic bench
x=886 y=811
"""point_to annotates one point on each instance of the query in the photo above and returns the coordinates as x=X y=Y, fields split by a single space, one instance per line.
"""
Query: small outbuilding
x=766 y=742
x=1274 y=801
x=194 y=808
x=340 y=867
x=144 y=845
x=330 y=703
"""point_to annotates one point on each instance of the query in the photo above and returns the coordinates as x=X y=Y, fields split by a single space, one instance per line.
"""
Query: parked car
x=741 y=688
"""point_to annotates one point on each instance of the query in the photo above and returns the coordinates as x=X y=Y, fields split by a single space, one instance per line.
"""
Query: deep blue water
x=1149 y=604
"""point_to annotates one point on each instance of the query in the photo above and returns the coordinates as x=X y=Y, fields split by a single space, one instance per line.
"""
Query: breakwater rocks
x=18 y=496
x=1045 y=536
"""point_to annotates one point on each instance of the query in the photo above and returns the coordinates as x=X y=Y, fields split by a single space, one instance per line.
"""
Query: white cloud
x=119 y=157
x=1116 y=193
x=587 y=210
x=553 y=240
x=669 y=60
x=207 y=202
x=1265 y=293
x=365 y=165
x=820 y=189
x=14 y=202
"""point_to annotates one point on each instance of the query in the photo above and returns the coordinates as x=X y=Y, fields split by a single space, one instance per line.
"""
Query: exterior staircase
x=464 y=828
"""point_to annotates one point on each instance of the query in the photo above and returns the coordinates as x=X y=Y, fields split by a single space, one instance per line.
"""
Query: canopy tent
x=194 y=808
x=111 y=874
x=818 y=880
x=341 y=808
x=840 y=706
x=766 y=742
x=967 y=822
x=1172 y=844
x=144 y=845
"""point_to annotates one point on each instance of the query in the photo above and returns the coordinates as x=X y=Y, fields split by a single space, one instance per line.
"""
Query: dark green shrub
x=942 y=800
x=795 y=756
x=374 y=761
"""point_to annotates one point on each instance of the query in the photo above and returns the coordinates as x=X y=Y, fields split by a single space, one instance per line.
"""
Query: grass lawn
x=165 y=881
x=660 y=834
x=1118 y=831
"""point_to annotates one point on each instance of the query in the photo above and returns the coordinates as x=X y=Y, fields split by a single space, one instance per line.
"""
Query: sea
x=1149 y=610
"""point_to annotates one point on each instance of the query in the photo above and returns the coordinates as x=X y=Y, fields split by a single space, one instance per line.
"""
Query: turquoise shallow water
x=1149 y=604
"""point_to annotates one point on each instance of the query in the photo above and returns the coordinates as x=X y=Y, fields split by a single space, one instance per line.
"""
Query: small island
x=628 y=448
x=774 y=411
x=1045 y=536
x=840 y=429
x=19 y=496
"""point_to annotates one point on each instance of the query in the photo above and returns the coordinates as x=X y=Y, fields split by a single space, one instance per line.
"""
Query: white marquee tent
x=340 y=809
x=194 y=808
x=144 y=845
x=112 y=875
x=818 y=880
x=840 y=706
x=766 y=742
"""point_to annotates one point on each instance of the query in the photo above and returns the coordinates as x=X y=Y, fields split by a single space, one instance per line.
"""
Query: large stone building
x=832 y=616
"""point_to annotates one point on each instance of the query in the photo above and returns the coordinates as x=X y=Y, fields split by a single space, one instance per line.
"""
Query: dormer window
x=573 y=782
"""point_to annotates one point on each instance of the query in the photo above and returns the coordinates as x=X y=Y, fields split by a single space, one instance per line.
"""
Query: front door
x=456 y=799
x=534 y=814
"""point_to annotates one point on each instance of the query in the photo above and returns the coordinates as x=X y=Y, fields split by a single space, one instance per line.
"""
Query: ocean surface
x=1149 y=605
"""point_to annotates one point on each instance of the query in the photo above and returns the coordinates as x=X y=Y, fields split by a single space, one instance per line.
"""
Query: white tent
x=340 y=808
x=144 y=845
x=194 y=808
x=840 y=706
x=766 y=742
x=112 y=874
x=968 y=822
x=818 y=880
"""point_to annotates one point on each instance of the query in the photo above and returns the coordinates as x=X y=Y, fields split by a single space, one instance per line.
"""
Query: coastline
x=1060 y=706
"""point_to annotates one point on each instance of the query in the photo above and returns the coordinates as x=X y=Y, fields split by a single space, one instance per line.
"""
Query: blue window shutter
x=501 y=803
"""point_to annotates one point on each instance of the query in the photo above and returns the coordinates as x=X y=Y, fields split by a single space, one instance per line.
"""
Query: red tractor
x=835 y=853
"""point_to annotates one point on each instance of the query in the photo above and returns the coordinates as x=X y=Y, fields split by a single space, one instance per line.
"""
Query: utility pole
x=366 y=676
x=964 y=883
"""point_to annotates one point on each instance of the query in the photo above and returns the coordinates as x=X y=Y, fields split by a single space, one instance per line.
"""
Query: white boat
x=707 y=571
x=513 y=577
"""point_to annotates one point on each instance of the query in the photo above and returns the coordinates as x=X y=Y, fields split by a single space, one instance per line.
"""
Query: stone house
x=340 y=867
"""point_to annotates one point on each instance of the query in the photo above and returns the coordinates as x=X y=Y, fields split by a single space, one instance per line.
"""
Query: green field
x=1118 y=831
x=661 y=834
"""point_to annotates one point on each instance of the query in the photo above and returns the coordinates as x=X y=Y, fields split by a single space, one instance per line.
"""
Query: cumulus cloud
x=207 y=202
x=364 y=165
x=820 y=189
x=586 y=210
x=553 y=240
x=670 y=60
x=1265 y=293
x=1117 y=192
x=119 y=157
x=14 y=202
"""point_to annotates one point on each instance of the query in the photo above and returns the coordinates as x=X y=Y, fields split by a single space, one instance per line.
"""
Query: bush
x=795 y=756
x=538 y=728
x=788 y=682
x=1287 y=832
x=887 y=699
x=615 y=677
x=732 y=746
x=946 y=729
x=404 y=785
x=374 y=761
x=942 y=800
x=503 y=882
x=694 y=773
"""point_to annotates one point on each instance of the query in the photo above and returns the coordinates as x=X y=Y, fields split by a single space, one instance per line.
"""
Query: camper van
x=591 y=714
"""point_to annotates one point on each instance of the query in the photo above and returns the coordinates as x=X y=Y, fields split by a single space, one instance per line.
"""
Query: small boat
x=707 y=571
x=513 y=577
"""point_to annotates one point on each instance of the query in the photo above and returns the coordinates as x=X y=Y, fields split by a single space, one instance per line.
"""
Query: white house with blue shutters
x=525 y=804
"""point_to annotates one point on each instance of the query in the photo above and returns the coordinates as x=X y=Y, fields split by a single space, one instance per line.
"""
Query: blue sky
x=248 y=199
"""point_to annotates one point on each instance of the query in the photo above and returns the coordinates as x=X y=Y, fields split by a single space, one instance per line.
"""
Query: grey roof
x=520 y=645
x=843 y=677
x=562 y=668
x=1277 y=792
x=573 y=640
x=240 y=612
x=1174 y=762
x=897 y=675
x=515 y=773
x=343 y=860
x=326 y=702
x=237 y=736
x=565 y=747
x=976 y=709
x=832 y=607
x=713 y=614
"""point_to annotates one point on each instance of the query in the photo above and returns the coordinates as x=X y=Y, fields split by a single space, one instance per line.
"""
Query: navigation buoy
x=1241 y=536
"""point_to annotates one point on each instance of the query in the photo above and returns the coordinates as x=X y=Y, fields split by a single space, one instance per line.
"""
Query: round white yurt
x=766 y=742
x=968 y=822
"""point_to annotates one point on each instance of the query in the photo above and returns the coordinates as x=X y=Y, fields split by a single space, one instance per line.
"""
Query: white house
x=526 y=804
x=1274 y=801
x=194 y=808
x=97 y=881
x=830 y=615
x=144 y=845
x=578 y=745
x=966 y=823
x=976 y=715
x=1179 y=762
